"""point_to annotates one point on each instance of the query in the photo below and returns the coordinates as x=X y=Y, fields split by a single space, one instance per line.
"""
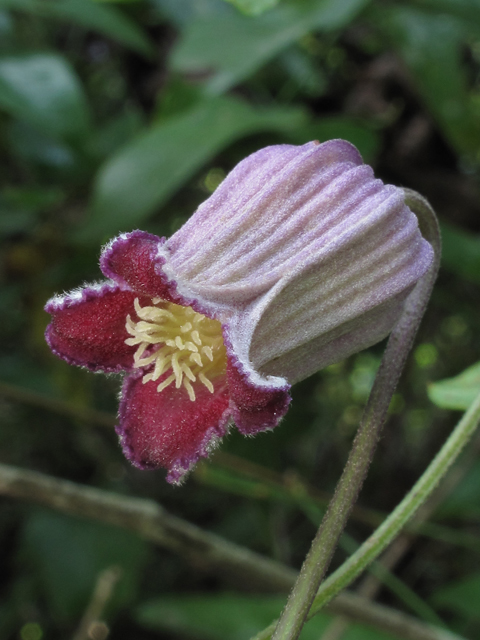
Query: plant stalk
x=393 y=524
x=399 y=344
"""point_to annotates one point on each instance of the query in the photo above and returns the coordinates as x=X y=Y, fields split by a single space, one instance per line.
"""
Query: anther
x=171 y=337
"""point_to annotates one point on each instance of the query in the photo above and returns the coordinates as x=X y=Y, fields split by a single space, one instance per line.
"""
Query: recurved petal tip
x=134 y=261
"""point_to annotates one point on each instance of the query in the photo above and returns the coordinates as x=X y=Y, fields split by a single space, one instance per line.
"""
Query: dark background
x=115 y=116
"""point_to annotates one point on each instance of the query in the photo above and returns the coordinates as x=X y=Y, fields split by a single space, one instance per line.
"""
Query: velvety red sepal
x=89 y=330
x=166 y=429
x=254 y=408
x=132 y=260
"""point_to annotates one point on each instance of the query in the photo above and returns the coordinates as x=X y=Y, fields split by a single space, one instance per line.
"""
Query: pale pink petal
x=244 y=238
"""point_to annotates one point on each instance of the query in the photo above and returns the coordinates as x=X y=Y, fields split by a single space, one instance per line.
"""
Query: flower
x=298 y=259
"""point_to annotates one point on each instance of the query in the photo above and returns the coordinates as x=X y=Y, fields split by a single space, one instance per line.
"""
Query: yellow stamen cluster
x=189 y=343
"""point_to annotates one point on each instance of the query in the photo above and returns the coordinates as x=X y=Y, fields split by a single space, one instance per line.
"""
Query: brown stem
x=204 y=550
x=91 y=625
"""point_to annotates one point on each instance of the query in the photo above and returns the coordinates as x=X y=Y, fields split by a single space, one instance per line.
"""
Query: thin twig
x=204 y=550
x=32 y=398
x=293 y=487
x=93 y=417
x=91 y=625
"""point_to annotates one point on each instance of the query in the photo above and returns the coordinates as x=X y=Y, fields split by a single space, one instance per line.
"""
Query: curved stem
x=323 y=546
x=387 y=531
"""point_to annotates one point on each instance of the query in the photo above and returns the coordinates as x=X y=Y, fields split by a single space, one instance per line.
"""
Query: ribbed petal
x=373 y=264
x=133 y=261
x=342 y=296
x=338 y=343
x=262 y=220
x=88 y=327
x=166 y=430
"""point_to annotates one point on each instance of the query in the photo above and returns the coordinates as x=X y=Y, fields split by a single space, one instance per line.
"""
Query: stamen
x=188 y=372
x=190 y=391
x=208 y=352
x=202 y=377
x=196 y=337
x=176 y=370
x=172 y=337
x=197 y=358
x=163 y=385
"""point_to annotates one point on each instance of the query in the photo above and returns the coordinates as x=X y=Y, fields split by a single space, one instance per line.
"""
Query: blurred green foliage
x=129 y=188
x=234 y=617
x=458 y=392
x=115 y=115
x=66 y=580
x=253 y=7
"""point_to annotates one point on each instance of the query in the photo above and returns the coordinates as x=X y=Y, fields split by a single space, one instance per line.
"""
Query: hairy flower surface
x=299 y=259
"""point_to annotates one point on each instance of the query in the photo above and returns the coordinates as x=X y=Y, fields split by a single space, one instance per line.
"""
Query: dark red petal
x=167 y=429
x=254 y=408
x=88 y=329
x=132 y=259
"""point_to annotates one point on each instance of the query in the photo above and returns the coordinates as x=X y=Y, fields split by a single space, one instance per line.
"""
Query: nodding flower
x=300 y=258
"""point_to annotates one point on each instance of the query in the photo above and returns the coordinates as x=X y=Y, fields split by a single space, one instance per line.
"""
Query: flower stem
x=323 y=546
x=393 y=524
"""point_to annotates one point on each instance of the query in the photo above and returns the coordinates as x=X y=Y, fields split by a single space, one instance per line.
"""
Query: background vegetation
x=115 y=116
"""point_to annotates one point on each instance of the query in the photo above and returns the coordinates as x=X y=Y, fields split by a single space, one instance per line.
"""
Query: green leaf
x=461 y=252
x=245 y=44
x=69 y=555
x=140 y=178
x=231 y=616
x=457 y=393
x=253 y=7
x=359 y=632
x=7 y=31
x=115 y=132
x=464 y=500
x=211 y=617
x=467 y=10
x=304 y=73
x=462 y=596
x=34 y=147
x=44 y=90
x=19 y=207
x=181 y=13
x=90 y=15
x=431 y=46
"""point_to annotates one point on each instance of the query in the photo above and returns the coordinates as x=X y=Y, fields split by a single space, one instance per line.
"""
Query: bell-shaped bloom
x=298 y=259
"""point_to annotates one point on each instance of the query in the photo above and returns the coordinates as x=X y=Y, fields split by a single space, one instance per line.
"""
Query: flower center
x=176 y=338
